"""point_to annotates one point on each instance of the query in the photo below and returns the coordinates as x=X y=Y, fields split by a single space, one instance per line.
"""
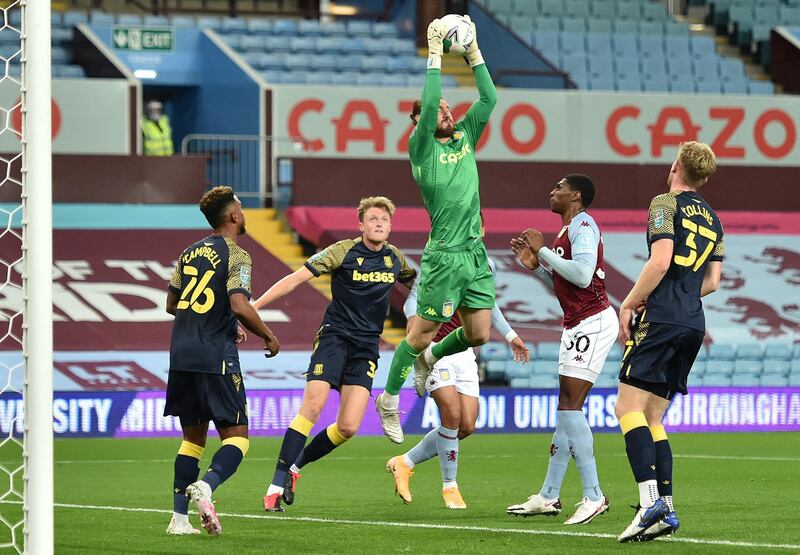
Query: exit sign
x=137 y=38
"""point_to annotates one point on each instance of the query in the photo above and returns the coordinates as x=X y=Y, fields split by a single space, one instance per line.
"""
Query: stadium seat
x=747 y=367
x=156 y=21
x=731 y=69
x=702 y=354
x=522 y=26
x=679 y=68
x=777 y=351
x=325 y=62
x=698 y=367
x=577 y=8
x=796 y=351
x=572 y=43
x=607 y=379
x=101 y=18
x=745 y=380
x=544 y=382
x=233 y=25
x=499 y=5
x=548 y=350
x=384 y=30
x=794 y=380
x=514 y=370
x=544 y=366
x=369 y=80
x=716 y=380
x=574 y=65
x=694 y=380
x=345 y=78
x=416 y=80
x=654 y=11
x=601 y=67
x=495 y=370
x=749 y=351
x=629 y=9
x=547 y=24
x=702 y=47
x=275 y=61
x=721 y=351
x=253 y=43
x=551 y=8
x=706 y=69
x=257 y=26
x=599 y=25
x=683 y=85
x=615 y=354
x=286 y=27
x=208 y=22
x=58 y=35
x=271 y=76
x=776 y=367
x=59 y=54
x=399 y=65
x=495 y=350
x=255 y=59
x=794 y=366
x=604 y=9
x=350 y=63
x=655 y=85
x=319 y=77
x=70 y=17
x=676 y=28
x=294 y=77
x=761 y=87
x=709 y=87
x=628 y=83
x=651 y=28
x=676 y=46
x=303 y=45
x=598 y=43
x=625 y=45
x=601 y=83
x=627 y=67
x=774 y=380
x=374 y=64
x=69 y=72
x=182 y=21
x=359 y=28
x=734 y=87
x=625 y=27
x=573 y=25
x=403 y=47
x=519 y=383
x=714 y=366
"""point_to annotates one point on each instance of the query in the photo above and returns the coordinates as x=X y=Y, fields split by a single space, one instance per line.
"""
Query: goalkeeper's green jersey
x=447 y=173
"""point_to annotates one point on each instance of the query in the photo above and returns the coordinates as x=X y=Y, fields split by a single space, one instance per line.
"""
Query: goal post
x=37 y=282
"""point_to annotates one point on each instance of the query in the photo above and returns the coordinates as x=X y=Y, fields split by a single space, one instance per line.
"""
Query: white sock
x=668 y=500
x=648 y=493
x=274 y=489
x=389 y=401
x=446 y=485
x=179 y=518
x=408 y=461
x=430 y=359
x=294 y=469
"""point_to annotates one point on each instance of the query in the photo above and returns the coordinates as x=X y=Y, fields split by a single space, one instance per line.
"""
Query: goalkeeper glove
x=473 y=54
x=436 y=33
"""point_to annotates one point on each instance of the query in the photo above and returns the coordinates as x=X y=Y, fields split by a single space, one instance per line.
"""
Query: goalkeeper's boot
x=536 y=505
x=181 y=526
x=200 y=494
x=390 y=421
x=667 y=526
x=452 y=498
x=421 y=372
x=289 y=487
x=642 y=520
x=402 y=474
x=272 y=503
x=588 y=510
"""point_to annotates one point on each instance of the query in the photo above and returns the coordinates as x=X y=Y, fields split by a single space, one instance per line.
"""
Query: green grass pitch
x=733 y=492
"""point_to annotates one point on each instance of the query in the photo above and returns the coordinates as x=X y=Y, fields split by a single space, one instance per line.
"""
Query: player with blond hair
x=363 y=272
x=685 y=240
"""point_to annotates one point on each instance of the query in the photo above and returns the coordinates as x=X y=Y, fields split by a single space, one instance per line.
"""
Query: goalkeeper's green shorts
x=453 y=279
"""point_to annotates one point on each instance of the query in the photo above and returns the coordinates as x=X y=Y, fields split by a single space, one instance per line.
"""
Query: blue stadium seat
x=698 y=367
x=548 y=350
x=543 y=366
x=604 y=9
x=353 y=46
x=234 y=41
x=721 y=351
x=325 y=62
x=522 y=26
x=625 y=45
x=714 y=366
x=601 y=83
x=796 y=351
x=384 y=30
x=716 y=380
x=58 y=35
x=598 y=43
x=601 y=66
x=301 y=62
x=750 y=351
x=287 y=27
x=776 y=367
x=676 y=46
x=101 y=18
x=694 y=380
x=709 y=87
x=747 y=367
x=731 y=69
x=777 y=351
x=350 y=63
x=702 y=354
x=655 y=85
x=294 y=77
x=599 y=25
x=324 y=45
x=276 y=61
x=374 y=64
x=208 y=22
x=650 y=44
x=654 y=11
x=546 y=40
x=403 y=47
x=625 y=27
x=544 y=382
x=676 y=28
x=345 y=78
x=495 y=350
x=398 y=80
x=794 y=380
x=774 y=380
x=581 y=81
x=71 y=17
x=499 y=5
x=303 y=45
x=761 y=87
x=272 y=76
x=255 y=59
x=631 y=83
x=514 y=370
x=233 y=25
x=734 y=87
x=129 y=19
x=572 y=43
x=573 y=25
x=627 y=67
x=369 y=80
x=182 y=21
x=651 y=28
x=654 y=70
x=551 y=8
x=608 y=379
x=495 y=370
x=359 y=28
x=682 y=85
x=399 y=65
x=519 y=383
x=615 y=353
x=416 y=80
x=247 y=43
x=629 y=9
x=679 y=68
x=574 y=65
x=702 y=47
x=577 y=8
x=745 y=380
x=547 y=24
x=58 y=54
x=319 y=77
x=69 y=72
x=156 y=21
x=257 y=26
x=706 y=69
x=311 y=27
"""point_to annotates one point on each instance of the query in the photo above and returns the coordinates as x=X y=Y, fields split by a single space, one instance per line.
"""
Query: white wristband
x=434 y=61
x=511 y=336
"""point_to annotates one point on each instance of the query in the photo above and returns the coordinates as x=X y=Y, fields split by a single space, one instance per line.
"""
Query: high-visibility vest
x=157 y=137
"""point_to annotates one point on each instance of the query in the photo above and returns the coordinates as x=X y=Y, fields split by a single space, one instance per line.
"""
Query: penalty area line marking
x=421 y=525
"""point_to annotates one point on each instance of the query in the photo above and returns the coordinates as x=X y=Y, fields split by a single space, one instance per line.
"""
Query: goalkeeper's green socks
x=454 y=342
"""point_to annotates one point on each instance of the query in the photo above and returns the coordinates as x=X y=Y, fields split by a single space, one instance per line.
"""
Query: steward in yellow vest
x=156 y=131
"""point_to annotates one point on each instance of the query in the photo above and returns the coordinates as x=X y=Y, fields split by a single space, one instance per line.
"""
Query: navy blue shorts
x=339 y=361
x=659 y=358
x=199 y=397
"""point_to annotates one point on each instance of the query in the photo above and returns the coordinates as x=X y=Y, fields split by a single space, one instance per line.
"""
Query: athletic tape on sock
x=191 y=450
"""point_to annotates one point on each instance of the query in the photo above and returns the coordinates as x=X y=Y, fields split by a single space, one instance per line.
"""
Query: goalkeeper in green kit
x=455 y=271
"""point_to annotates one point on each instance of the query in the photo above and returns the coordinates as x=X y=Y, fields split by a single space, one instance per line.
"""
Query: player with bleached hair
x=455 y=269
x=686 y=248
x=576 y=271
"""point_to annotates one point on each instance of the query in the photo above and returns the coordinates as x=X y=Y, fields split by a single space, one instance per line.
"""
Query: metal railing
x=248 y=163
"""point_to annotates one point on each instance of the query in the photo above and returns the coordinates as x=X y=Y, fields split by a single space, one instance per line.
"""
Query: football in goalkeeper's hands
x=459 y=34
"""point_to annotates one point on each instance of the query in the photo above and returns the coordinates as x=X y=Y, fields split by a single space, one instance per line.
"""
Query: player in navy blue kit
x=363 y=272
x=209 y=291
x=685 y=241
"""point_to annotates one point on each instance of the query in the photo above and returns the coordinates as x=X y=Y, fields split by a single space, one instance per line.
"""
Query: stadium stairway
x=455 y=66
x=265 y=227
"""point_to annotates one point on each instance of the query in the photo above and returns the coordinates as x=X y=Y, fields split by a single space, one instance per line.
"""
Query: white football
x=459 y=34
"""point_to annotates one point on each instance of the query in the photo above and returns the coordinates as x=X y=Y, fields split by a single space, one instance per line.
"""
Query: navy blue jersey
x=361 y=280
x=204 y=331
x=693 y=226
